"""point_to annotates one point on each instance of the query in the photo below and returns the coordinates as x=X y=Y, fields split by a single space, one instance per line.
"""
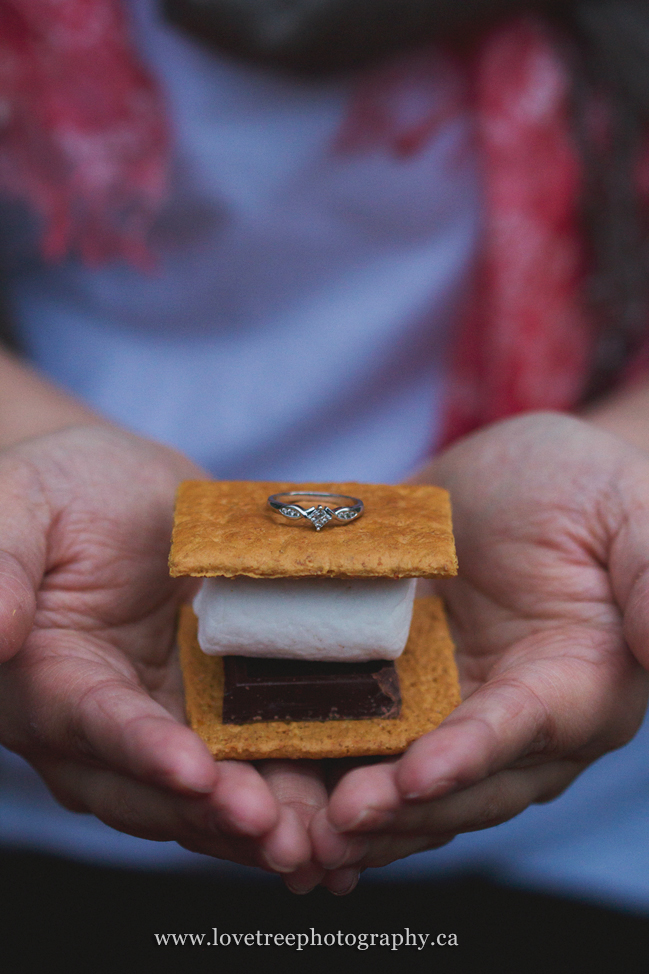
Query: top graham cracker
x=226 y=528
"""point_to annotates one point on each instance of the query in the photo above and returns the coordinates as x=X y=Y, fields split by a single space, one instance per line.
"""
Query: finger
x=299 y=784
x=558 y=694
x=333 y=849
x=462 y=750
x=532 y=711
x=147 y=812
x=485 y=804
x=239 y=815
x=17 y=605
x=305 y=879
x=629 y=564
x=384 y=849
x=299 y=788
x=24 y=522
x=243 y=801
x=60 y=694
x=286 y=847
x=340 y=882
x=364 y=799
x=96 y=714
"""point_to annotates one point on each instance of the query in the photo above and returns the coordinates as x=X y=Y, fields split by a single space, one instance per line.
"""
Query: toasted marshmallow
x=325 y=619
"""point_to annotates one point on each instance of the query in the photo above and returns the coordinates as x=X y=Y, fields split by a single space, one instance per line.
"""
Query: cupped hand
x=90 y=688
x=550 y=615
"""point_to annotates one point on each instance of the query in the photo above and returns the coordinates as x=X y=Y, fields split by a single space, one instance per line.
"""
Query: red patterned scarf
x=526 y=342
x=83 y=138
x=82 y=128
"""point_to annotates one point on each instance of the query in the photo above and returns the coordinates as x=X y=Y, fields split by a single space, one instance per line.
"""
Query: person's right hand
x=90 y=688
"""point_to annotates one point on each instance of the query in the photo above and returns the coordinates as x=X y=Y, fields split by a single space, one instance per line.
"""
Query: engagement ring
x=318 y=515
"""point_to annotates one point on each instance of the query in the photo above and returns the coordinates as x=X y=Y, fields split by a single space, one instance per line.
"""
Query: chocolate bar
x=285 y=689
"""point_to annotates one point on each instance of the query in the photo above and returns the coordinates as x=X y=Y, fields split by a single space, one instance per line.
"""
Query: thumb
x=629 y=558
x=24 y=523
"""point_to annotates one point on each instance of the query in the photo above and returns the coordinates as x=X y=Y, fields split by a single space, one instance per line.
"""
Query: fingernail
x=279 y=867
x=436 y=790
x=354 y=852
x=197 y=789
x=301 y=889
x=200 y=783
x=235 y=823
x=369 y=818
x=348 y=881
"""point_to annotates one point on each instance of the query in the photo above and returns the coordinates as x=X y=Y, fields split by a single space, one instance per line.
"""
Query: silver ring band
x=319 y=515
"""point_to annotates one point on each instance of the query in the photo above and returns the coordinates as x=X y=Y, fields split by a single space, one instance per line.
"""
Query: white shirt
x=296 y=325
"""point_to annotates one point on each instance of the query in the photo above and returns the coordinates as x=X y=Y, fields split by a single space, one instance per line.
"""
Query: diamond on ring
x=319 y=516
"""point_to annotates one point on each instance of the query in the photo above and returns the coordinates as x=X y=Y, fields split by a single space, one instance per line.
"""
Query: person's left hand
x=550 y=614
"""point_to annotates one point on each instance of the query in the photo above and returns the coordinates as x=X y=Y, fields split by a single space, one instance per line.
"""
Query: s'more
x=305 y=639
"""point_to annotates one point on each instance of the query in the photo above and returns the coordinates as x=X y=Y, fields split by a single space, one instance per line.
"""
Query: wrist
x=625 y=414
x=31 y=405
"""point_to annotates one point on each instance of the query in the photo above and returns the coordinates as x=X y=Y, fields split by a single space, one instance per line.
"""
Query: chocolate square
x=285 y=689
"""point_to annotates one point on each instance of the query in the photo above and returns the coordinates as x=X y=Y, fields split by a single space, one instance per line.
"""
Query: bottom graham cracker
x=429 y=692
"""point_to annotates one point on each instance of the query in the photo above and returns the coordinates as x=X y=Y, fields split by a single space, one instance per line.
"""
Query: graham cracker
x=429 y=690
x=226 y=528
